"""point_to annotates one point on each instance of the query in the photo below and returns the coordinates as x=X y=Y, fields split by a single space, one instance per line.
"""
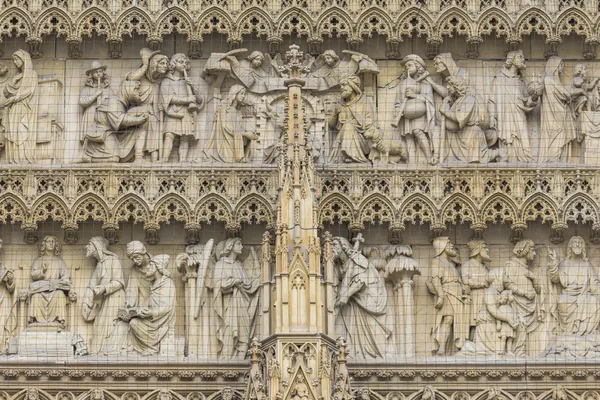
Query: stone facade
x=404 y=205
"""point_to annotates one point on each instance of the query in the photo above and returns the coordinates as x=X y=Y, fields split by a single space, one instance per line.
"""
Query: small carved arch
x=459 y=208
x=335 y=20
x=492 y=394
x=537 y=206
x=163 y=394
x=172 y=206
x=494 y=21
x=32 y=393
x=214 y=20
x=254 y=209
x=94 y=20
x=573 y=21
x=534 y=20
x=415 y=20
x=335 y=209
x=455 y=20
x=374 y=20
x=428 y=393
x=560 y=392
x=131 y=208
x=363 y=393
x=13 y=20
x=499 y=208
x=417 y=207
x=226 y=393
x=90 y=206
x=394 y=396
x=197 y=396
x=376 y=208
x=134 y=20
x=590 y=395
x=580 y=207
x=12 y=209
x=97 y=394
x=55 y=21
x=254 y=20
x=49 y=207
x=295 y=20
x=174 y=19
x=213 y=206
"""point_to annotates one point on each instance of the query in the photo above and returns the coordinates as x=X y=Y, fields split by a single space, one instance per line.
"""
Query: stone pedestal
x=34 y=343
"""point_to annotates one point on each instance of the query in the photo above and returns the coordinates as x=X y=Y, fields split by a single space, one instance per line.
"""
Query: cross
x=358 y=240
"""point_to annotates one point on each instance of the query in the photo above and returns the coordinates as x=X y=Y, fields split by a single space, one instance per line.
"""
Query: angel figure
x=257 y=72
x=327 y=69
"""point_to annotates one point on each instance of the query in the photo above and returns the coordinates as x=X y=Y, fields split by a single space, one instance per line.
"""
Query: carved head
x=237 y=94
x=576 y=248
x=179 y=62
x=18 y=61
x=413 y=65
x=96 y=394
x=256 y=59
x=364 y=394
x=515 y=58
x=33 y=394
x=456 y=86
x=443 y=245
x=164 y=394
x=136 y=251
x=478 y=247
x=300 y=391
x=505 y=297
x=525 y=249
x=227 y=393
x=340 y=247
x=554 y=66
x=50 y=246
x=159 y=65
x=330 y=58
x=580 y=70
x=160 y=264
x=229 y=246
x=350 y=86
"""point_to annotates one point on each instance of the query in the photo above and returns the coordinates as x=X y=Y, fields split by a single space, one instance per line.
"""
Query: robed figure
x=475 y=277
x=361 y=303
x=235 y=301
x=95 y=91
x=20 y=118
x=138 y=287
x=8 y=311
x=103 y=297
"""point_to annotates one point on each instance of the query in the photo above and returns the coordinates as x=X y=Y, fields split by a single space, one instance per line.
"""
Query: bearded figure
x=475 y=277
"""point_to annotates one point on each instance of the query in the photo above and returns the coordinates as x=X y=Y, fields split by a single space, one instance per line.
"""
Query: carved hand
x=9 y=277
x=530 y=296
x=98 y=290
x=410 y=95
x=145 y=312
x=250 y=135
x=551 y=255
x=439 y=302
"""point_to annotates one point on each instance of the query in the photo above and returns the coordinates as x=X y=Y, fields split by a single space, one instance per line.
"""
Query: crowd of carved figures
x=159 y=113
x=478 y=312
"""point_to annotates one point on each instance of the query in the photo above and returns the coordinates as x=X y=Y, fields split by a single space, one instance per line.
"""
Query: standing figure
x=229 y=141
x=256 y=74
x=235 y=297
x=50 y=286
x=361 y=303
x=446 y=285
x=95 y=91
x=475 y=278
x=20 y=118
x=150 y=75
x=506 y=326
x=586 y=100
x=153 y=322
x=525 y=288
x=508 y=105
x=557 y=130
x=578 y=306
x=104 y=296
x=352 y=118
x=414 y=110
x=180 y=100
x=138 y=287
x=8 y=311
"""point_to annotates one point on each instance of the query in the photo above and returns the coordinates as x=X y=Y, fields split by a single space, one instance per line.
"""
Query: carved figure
x=463 y=139
x=508 y=104
x=414 y=109
x=257 y=73
x=8 y=312
x=506 y=330
x=93 y=94
x=235 y=297
x=138 y=288
x=475 y=277
x=112 y=137
x=361 y=302
x=20 y=118
x=446 y=67
x=153 y=321
x=300 y=392
x=353 y=118
x=326 y=69
x=229 y=142
x=446 y=285
x=578 y=305
x=525 y=287
x=180 y=100
x=51 y=283
x=586 y=100
x=557 y=121
x=150 y=74
x=104 y=295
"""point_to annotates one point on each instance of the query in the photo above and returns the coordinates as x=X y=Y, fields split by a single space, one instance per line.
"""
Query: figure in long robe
x=95 y=91
x=138 y=287
x=361 y=303
x=8 y=309
x=20 y=118
x=104 y=296
x=257 y=74
x=475 y=277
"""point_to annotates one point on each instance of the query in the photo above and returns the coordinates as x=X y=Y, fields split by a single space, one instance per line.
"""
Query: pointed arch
x=154 y=395
x=494 y=21
x=414 y=21
x=428 y=392
x=499 y=208
x=174 y=20
x=172 y=206
x=94 y=20
x=254 y=20
x=455 y=20
x=131 y=207
x=492 y=393
x=254 y=209
x=215 y=19
x=459 y=208
x=12 y=209
x=335 y=21
x=417 y=208
x=14 y=20
x=54 y=20
x=375 y=20
x=134 y=20
x=580 y=207
x=49 y=207
x=335 y=209
x=213 y=206
x=534 y=20
x=540 y=206
x=376 y=208
x=295 y=20
x=88 y=395
x=90 y=206
x=573 y=20
x=25 y=393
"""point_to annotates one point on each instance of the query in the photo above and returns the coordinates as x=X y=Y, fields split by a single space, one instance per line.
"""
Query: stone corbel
x=355 y=229
x=70 y=236
x=589 y=51
x=29 y=233
x=233 y=229
x=111 y=233
x=354 y=43
x=154 y=42
x=35 y=46
x=274 y=45
x=556 y=236
x=516 y=232
x=477 y=230
x=433 y=46
x=595 y=234
x=473 y=43
x=234 y=42
x=115 y=47
x=194 y=47
x=74 y=43
x=192 y=234
x=314 y=45
x=551 y=47
x=151 y=230
x=513 y=42
x=395 y=233
x=393 y=48
x=435 y=231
